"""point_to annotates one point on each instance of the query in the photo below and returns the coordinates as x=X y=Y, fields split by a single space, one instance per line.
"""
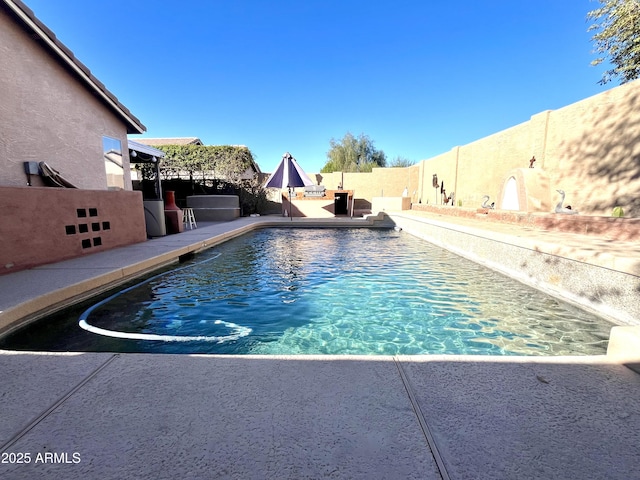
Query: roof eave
x=66 y=57
x=141 y=148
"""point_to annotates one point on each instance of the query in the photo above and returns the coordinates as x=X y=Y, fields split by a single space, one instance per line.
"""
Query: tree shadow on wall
x=605 y=158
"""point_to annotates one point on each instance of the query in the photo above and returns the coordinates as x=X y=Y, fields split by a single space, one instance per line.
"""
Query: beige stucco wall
x=383 y=204
x=593 y=151
x=47 y=115
x=381 y=182
x=589 y=149
x=444 y=166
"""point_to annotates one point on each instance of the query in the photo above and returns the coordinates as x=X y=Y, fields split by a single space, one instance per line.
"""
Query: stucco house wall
x=48 y=113
x=53 y=109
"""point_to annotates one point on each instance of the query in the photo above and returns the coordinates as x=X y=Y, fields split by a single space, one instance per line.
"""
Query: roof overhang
x=170 y=141
x=66 y=57
x=147 y=152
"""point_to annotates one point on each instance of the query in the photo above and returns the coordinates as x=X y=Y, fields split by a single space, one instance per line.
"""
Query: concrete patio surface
x=113 y=416
x=167 y=416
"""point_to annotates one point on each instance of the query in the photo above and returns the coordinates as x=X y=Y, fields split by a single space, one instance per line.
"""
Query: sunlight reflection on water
x=342 y=291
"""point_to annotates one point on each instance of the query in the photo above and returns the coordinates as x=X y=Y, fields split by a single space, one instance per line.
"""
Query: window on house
x=112 y=150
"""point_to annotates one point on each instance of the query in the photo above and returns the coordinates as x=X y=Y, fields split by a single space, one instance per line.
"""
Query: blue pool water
x=325 y=291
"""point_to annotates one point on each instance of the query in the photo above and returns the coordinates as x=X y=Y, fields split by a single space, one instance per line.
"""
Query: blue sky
x=417 y=77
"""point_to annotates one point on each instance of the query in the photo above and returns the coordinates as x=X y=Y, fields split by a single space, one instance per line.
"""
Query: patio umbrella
x=289 y=175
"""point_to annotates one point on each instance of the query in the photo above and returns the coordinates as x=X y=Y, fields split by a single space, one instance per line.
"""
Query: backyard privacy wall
x=381 y=182
x=52 y=224
x=590 y=149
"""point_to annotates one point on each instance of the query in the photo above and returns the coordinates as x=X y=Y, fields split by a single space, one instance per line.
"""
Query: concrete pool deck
x=101 y=415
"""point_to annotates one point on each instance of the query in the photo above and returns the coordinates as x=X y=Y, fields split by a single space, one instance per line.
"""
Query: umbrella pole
x=290 y=205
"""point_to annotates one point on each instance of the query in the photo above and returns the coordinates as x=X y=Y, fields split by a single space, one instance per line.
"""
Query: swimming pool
x=323 y=291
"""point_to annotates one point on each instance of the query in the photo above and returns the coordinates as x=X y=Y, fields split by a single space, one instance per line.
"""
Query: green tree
x=206 y=161
x=353 y=154
x=401 y=162
x=215 y=165
x=230 y=162
x=617 y=38
x=181 y=158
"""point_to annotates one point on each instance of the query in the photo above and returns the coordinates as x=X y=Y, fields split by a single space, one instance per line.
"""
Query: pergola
x=140 y=153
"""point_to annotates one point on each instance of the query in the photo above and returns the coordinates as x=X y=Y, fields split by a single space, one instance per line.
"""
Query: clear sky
x=418 y=77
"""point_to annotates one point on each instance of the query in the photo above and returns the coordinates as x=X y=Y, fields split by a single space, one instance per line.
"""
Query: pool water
x=324 y=291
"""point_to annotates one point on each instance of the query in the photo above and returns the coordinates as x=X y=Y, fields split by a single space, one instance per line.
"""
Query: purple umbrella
x=289 y=175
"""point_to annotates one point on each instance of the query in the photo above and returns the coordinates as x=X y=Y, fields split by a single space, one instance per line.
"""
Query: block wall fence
x=589 y=149
x=42 y=225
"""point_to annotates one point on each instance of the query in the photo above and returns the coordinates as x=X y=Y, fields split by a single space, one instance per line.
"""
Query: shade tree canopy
x=220 y=161
x=353 y=154
x=401 y=162
x=616 y=27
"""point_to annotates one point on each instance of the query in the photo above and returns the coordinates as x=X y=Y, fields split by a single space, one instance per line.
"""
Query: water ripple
x=349 y=291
